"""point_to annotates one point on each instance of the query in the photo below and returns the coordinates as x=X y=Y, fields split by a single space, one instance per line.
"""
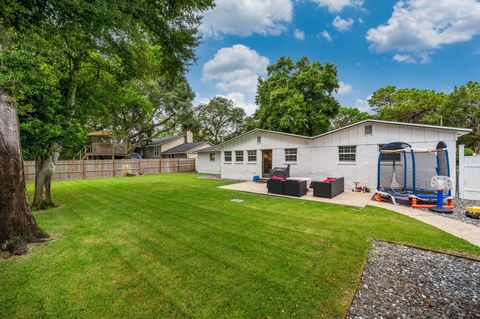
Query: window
x=156 y=151
x=390 y=157
x=290 y=155
x=259 y=140
x=228 y=156
x=212 y=157
x=238 y=156
x=252 y=156
x=368 y=130
x=347 y=153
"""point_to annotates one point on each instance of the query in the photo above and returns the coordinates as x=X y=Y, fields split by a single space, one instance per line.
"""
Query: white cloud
x=338 y=5
x=326 y=35
x=405 y=58
x=342 y=24
x=363 y=105
x=299 y=34
x=199 y=99
x=245 y=17
x=235 y=68
x=344 y=89
x=240 y=101
x=422 y=26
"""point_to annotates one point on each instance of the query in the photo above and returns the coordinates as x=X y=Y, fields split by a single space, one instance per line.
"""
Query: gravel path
x=405 y=282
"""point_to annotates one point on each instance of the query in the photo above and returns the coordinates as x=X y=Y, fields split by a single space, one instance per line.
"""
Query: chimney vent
x=188 y=137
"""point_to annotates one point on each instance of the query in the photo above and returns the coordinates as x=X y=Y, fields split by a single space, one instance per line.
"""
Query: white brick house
x=350 y=152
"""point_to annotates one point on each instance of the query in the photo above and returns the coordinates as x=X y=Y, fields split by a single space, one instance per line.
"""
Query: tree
x=142 y=108
x=407 y=105
x=462 y=109
x=17 y=223
x=296 y=97
x=347 y=116
x=219 y=120
x=86 y=35
x=85 y=30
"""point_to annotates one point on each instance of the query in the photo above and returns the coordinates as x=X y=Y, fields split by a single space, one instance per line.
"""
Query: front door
x=266 y=162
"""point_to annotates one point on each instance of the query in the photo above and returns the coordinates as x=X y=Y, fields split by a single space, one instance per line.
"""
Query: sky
x=428 y=44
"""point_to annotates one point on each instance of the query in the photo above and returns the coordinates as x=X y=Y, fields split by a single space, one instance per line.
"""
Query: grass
x=175 y=246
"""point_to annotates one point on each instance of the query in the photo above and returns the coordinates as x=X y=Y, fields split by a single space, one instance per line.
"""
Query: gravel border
x=459 y=211
x=405 y=282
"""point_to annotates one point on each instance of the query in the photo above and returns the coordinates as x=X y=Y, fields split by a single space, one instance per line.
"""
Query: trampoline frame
x=413 y=194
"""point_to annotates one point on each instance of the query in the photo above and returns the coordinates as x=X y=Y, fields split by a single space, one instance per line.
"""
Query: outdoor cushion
x=328 y=180
x=278 y=177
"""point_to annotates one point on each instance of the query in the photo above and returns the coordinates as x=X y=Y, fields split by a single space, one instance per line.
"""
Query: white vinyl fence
x=468 y=175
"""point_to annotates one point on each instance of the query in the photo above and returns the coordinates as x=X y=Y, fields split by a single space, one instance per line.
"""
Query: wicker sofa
x=275 y=186
x=295 y=187
x=329 y=187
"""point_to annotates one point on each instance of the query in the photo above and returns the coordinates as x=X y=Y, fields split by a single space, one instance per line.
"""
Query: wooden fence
x=84 y=169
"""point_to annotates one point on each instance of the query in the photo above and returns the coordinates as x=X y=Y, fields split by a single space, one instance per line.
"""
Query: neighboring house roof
x=185 y=148
x=460 y=130
x=163 y=140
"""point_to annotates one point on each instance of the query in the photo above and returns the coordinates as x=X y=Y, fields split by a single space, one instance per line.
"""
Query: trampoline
x=405 y=173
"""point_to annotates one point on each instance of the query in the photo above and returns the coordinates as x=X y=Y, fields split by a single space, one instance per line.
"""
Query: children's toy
x=472 y=212
x=357 y=187
x=441 y=183
x=405 y=172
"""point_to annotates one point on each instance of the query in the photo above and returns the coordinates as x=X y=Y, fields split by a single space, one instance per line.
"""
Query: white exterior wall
x=204 y=165
x=318 y=158
x=269 y=141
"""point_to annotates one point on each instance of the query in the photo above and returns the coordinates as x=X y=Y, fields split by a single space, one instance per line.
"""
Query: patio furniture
x=308 y=180
x=295 y=187
x=329 y=187
x=275 y=185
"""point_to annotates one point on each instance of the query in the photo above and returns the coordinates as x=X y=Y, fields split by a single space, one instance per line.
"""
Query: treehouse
x=104 y=144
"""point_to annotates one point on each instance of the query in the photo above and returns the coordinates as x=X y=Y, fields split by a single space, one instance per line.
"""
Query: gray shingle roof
x=183 y=148
x=163 y=140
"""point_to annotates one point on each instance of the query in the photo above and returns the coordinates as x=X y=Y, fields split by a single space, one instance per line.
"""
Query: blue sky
x=430 y=44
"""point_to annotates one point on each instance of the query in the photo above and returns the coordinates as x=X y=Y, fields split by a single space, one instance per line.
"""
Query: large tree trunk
x=17 y=223
x=44 y=169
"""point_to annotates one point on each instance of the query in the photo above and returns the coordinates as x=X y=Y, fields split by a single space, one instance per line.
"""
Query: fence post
x=83 y=169
x=139 y=167
x=113 y=166
x=461 y=170
x=178 y=165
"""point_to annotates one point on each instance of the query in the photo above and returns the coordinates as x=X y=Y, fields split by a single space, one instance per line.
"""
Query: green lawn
x=175 y=246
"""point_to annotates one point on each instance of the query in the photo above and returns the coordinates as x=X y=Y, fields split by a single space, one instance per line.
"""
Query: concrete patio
x=347 y=198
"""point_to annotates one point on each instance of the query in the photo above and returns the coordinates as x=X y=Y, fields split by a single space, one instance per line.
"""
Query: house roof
x=104 y=133
x=163 y=140
x=185 y=148
x=209 y=149
x=459 y=130
x=436 y=127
